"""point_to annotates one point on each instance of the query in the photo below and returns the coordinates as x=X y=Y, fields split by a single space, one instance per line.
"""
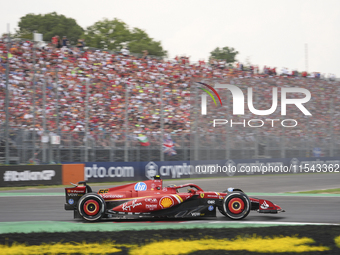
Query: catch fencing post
x=162 y=125
x=282 y=142
x=57 y=117
x=44 y=160
x=195 y=126
x=308 y=138
x=256 y=135
x=331 y=127
x=87 y=120
x=34 y=91
x=112 y=146
x=126 y=155
x=7 y=100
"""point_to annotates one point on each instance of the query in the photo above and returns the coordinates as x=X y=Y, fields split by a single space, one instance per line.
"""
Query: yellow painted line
x=63 y=248
x=175 y=247
x=337 y=241
x=253 y=244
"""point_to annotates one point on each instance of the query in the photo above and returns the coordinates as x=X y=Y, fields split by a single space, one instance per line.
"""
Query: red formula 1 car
x=150 y=199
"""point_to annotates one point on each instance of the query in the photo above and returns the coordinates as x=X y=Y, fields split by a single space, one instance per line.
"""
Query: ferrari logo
x=202 y=195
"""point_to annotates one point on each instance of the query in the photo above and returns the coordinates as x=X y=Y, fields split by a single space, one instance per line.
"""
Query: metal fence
x=105 y=147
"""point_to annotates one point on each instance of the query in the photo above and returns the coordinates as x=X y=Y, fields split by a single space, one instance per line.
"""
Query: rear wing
x=72 y=195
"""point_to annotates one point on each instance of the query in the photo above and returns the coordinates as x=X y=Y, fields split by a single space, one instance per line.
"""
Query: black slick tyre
x=236 y=205
x=91 y=207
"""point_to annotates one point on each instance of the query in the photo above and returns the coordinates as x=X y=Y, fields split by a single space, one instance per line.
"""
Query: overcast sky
x=266 y=32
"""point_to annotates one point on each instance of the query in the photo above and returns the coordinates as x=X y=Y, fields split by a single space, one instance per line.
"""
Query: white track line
x=273 y=222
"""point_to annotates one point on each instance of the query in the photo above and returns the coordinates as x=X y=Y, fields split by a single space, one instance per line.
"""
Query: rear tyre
x=91 y=207
x=236 y=205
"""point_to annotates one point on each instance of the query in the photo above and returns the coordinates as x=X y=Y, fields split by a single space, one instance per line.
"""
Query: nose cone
x=278 y=208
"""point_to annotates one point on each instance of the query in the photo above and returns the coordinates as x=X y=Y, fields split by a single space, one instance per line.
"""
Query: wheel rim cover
x=91 y=207
x=236 y=205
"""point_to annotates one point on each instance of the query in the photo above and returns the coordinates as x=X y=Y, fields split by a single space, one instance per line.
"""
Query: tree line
x=105 y=34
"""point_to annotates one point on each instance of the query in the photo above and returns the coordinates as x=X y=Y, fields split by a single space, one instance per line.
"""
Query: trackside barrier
x=32 y=175
x=72 y=173
x=135 y=171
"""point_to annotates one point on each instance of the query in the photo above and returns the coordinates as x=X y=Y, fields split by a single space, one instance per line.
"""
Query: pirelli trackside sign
x=29 y=175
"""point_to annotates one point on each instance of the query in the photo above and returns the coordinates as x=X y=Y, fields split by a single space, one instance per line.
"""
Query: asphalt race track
x=48 y=205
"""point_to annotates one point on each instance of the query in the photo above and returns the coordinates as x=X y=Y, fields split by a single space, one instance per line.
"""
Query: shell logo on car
x=166 y=202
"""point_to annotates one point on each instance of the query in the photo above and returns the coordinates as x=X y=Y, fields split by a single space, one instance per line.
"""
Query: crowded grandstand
x=68 y=70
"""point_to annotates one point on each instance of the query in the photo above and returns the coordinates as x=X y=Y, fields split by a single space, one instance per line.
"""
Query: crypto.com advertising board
x=137 y=171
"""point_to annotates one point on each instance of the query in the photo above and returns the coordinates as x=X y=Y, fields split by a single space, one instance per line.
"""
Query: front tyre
x=236 y=205
x=91 y=206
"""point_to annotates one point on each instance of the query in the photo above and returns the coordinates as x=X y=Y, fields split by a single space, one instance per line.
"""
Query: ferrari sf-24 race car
x=150 y=199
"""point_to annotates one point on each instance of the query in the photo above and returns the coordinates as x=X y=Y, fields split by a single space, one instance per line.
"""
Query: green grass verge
x=321 y=191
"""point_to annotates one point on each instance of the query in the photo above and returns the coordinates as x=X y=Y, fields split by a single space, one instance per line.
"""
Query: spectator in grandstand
x=81 y=44
x=125 y=51
x=331 y=77
x=145 y=54
x=55 y=41
x=65 y=42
